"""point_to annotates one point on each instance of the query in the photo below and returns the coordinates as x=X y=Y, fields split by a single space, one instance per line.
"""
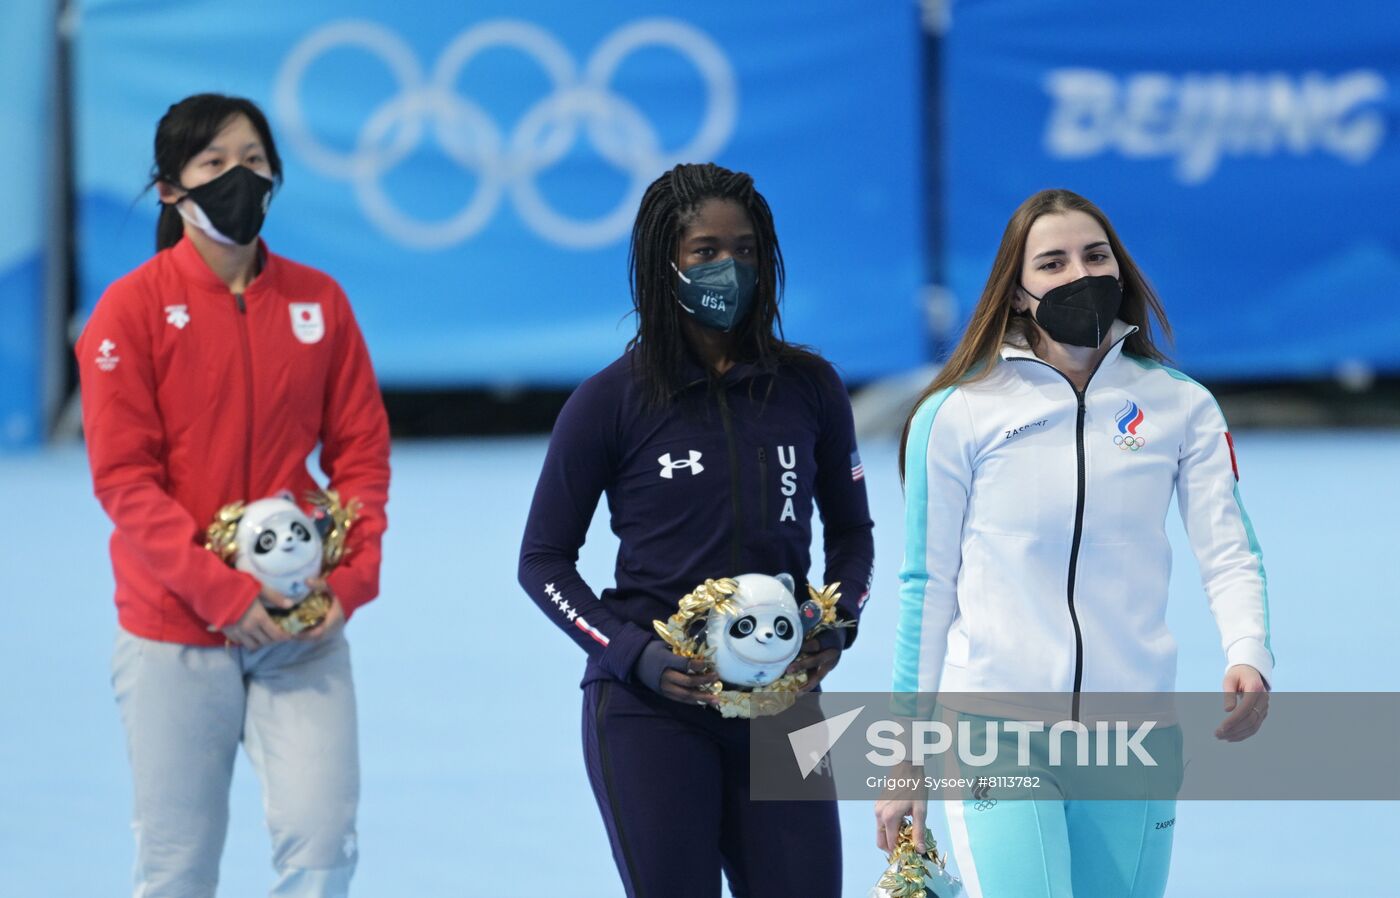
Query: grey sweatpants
x=186 y=708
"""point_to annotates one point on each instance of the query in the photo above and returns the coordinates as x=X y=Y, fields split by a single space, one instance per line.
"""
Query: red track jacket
x=194 y=397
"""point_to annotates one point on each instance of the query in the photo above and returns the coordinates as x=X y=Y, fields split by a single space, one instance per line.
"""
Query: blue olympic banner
x=470 y=172
x=1247 y=153
x=26 y=56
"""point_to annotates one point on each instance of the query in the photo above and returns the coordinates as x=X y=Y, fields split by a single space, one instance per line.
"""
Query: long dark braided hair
x=668 y=207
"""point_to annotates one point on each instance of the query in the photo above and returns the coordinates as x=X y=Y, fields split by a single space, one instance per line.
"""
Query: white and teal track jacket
x=1036 y=555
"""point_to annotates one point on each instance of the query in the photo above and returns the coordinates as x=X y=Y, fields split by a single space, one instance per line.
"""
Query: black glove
x=655 y=660
x=831 y=639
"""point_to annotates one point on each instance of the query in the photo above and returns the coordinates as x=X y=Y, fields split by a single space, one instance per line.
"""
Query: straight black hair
x=184 y=131
x=667 y=208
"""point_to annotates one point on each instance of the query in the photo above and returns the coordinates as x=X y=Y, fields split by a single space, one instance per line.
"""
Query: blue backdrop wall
x=470 y=172
x=26 y=57
x=1248 y=154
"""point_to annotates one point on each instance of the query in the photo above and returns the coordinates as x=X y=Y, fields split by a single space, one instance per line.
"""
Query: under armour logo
x=668 y=467
x=177 y=315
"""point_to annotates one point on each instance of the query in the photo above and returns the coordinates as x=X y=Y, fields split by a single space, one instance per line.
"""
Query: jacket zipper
x=1074 y=553
x=248 y=398
x=1079 y=396
x=735 y=541
x=762 y=488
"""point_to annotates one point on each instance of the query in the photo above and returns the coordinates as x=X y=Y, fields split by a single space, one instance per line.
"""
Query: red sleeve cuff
x=349 y=589
x=237 y=606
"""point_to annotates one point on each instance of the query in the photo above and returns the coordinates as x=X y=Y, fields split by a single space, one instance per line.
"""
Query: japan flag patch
x=307 y=322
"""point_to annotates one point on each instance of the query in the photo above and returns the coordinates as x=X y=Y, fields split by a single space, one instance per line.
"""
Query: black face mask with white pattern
x=1081 y=312
x=231 y=208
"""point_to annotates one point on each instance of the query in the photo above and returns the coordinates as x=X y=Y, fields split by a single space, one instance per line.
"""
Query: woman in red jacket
x=209 y=375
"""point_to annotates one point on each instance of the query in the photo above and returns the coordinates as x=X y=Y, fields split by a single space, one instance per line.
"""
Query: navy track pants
x=672 y=782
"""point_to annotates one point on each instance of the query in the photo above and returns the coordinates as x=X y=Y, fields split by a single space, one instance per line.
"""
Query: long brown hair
x=994 y=324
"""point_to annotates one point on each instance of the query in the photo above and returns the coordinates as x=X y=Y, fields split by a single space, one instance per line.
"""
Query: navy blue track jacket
x=720 y=483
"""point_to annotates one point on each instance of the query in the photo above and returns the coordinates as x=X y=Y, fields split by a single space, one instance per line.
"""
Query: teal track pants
x=1058 y=849
x=1056 y=845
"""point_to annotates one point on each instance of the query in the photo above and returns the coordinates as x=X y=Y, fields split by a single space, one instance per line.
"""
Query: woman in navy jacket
x=712 y=438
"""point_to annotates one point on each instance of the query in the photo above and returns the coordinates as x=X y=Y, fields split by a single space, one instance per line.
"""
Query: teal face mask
x=716 y=295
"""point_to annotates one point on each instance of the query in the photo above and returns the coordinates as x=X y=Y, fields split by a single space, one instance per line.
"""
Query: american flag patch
x=585 y=627
x=857 y=469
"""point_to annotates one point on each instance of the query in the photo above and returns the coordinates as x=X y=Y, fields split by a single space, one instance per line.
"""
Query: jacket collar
x=1118 y=333
x=196 y=271
x=694 y=374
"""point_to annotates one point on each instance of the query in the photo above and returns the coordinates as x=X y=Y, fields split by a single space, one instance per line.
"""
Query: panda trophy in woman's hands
x=750 y=628
x=279 y=544
x=755 y=641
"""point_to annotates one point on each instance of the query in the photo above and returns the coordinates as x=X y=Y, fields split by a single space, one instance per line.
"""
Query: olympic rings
x=506 y=165
x=1128 y=441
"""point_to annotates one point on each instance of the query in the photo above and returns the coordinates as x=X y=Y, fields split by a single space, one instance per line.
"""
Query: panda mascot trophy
x=283 y=547
x=750 y=628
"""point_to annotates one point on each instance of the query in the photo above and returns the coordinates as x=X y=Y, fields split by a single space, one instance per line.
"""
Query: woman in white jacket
x=1039 y=468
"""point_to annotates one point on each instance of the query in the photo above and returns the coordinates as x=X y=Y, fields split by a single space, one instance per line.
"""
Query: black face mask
x=1081 y=312
x=233 y=205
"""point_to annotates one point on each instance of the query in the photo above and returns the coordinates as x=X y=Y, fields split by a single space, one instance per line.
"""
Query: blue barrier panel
x=1247 y=152
x=470 y=172
x=26 y=55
